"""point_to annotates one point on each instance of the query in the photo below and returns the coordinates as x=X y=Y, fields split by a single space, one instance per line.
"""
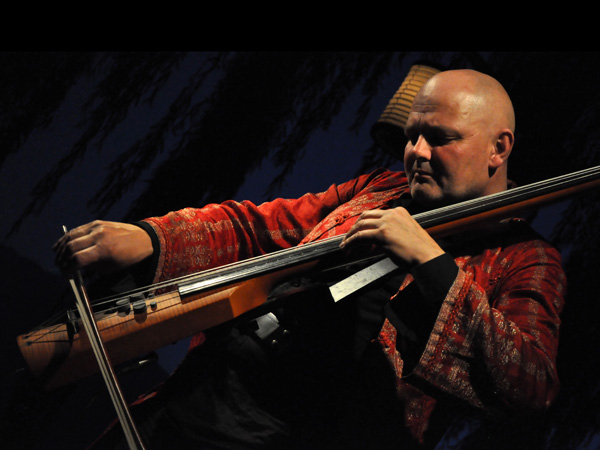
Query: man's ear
x=502 y=148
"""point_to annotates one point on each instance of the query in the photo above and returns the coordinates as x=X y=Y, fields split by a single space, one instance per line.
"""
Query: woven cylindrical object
x=388 y=131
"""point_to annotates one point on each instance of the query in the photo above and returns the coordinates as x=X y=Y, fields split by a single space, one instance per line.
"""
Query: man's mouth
x=419 y=173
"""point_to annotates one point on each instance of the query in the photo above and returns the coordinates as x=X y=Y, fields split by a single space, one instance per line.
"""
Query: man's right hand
x=102 y=246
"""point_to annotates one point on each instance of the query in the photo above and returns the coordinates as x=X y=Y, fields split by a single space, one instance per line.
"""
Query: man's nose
x=422 y=149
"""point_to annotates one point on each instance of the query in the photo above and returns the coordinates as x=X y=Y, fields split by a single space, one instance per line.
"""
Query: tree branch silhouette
x=239 y=128
x=32 y=87
x=130 y=77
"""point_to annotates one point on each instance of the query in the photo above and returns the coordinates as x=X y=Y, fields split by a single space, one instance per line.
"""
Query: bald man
x=460 y=134
x=467 y=327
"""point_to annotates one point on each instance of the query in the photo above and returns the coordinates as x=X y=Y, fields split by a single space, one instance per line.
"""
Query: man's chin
x=427 y=198
x=429 y=202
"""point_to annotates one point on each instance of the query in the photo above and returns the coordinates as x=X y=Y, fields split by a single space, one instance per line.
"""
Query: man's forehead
x=431 y=113
x=429 y=107
x=441 y=106
x=424 y=107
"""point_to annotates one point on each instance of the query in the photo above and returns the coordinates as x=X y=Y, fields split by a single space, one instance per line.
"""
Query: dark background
x=127 y=135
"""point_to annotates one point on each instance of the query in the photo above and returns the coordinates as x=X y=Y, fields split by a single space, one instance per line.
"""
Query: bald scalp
x=481 y=93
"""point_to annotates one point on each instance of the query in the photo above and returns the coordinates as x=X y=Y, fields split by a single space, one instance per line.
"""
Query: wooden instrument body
x=61 y=354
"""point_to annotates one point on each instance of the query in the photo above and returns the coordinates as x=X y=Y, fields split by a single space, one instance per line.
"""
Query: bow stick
x=89 y=323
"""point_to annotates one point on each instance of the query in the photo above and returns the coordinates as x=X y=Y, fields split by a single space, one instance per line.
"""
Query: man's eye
x=433 y=139
x=437 y=140
x=412 y=137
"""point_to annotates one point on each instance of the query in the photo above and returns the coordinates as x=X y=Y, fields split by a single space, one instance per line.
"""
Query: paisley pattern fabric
x=195 y=239
x=495 y=339
x=494 y=343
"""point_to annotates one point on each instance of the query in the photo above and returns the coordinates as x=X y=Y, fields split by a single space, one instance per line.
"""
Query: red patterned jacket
x=500 y=317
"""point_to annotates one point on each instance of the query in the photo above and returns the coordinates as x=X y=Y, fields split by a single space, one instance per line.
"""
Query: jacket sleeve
x=494 y=343
x=195 y=239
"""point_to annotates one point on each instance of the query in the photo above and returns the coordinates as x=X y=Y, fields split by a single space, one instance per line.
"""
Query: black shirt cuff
x=414 y=310
x=435 y=278
x=143 y=272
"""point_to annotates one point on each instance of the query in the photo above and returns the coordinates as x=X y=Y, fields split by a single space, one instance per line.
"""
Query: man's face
x=449 y=142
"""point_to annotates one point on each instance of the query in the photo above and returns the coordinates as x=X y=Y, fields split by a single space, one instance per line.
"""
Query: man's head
x=460 y=133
